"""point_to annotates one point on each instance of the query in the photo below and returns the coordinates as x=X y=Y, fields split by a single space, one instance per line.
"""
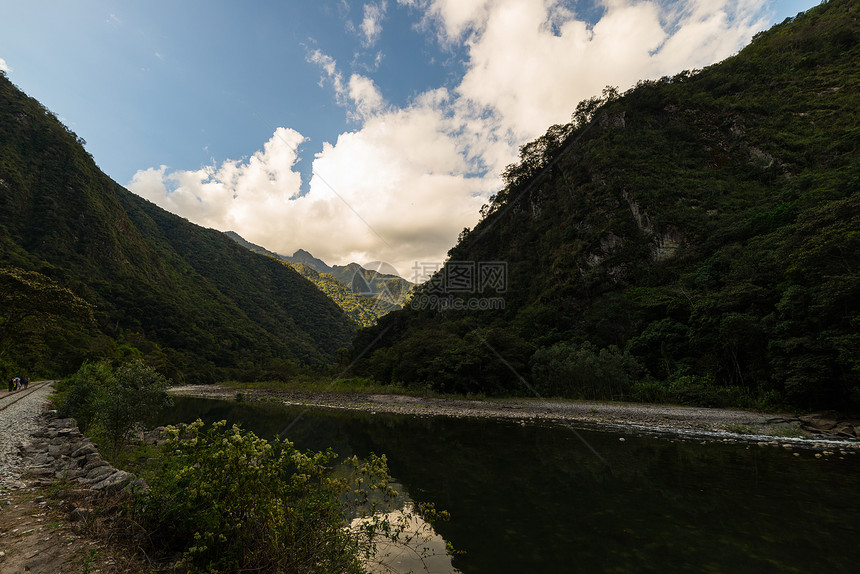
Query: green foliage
x=233 y=502
x=30 y=305
x=360 y=309
x=131 y=397
x=77 y=396
x=188 y=299
x=706 y=223
x=583 y=372
x=112 y=403
x=704 y=392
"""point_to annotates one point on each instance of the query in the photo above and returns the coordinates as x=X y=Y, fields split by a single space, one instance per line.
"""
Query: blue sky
x=357 y=130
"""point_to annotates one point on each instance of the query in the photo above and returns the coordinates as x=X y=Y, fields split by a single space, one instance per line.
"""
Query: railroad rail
x=9 y=398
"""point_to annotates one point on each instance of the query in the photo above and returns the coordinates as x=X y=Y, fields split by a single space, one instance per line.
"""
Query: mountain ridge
x=189 y=299
x=363 y=294
x=694 y=240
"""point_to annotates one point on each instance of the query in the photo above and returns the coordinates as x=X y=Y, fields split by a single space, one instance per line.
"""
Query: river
x=534 y=498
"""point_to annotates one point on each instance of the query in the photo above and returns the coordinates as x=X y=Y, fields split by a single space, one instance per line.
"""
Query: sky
x=359 y=131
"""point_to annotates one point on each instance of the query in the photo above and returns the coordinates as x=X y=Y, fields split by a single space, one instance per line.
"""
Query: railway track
x=10 y=398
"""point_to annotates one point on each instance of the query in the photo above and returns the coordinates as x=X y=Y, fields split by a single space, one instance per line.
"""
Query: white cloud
x=367 y=200
x=532 y=62
x=366 y=97
x=235 y=195
x=4 y=67
x=405 y=182
x=329 y=68
x=371 y=24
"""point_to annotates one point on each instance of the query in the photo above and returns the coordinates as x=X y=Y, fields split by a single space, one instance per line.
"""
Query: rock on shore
x=59 y=451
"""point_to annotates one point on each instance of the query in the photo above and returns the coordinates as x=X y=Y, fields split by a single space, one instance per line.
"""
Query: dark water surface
x=535 y=499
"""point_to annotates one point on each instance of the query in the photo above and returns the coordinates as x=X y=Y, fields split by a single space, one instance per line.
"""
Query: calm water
x=534 y=499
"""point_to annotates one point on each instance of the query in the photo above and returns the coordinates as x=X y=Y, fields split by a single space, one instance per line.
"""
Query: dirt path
x=693 y=421
x=36 y=535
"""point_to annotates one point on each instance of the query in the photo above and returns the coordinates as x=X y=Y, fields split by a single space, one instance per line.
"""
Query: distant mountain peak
x=302 y=256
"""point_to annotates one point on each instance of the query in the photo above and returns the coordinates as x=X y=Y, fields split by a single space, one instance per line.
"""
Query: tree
x=231 y=501
x=30 y=303
x=114 y=402
x=132 y=396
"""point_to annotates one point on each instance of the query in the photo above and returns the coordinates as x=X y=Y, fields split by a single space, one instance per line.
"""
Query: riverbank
x=814 y=430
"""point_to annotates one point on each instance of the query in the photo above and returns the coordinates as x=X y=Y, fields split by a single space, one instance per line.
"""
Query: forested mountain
x=695 y=239
x=189 y=299
x=363 y=310
x=380 y=283
x=363 y=294
x=305 y=258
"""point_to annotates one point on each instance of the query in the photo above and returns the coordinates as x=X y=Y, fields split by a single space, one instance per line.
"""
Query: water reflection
x=535 y=499
x=419 y=549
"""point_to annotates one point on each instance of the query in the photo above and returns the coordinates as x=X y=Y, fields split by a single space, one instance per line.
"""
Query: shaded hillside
x=190 y=299
x=696 y=239
x=363 y=294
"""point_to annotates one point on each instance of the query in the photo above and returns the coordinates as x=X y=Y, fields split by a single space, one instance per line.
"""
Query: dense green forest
x=695 y=239
x=360 y=309
x=150 y=284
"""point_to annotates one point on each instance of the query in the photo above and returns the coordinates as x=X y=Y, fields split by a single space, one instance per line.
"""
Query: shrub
x=132 y=396
x=76 y=395
x=111 y=403
x=233 y=502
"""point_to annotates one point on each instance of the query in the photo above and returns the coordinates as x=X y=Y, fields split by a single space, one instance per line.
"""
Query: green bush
x=703 y=392
x=113 y=403
x=77 y=395
x=230 y=501
x=583 y=371
x=132 y=396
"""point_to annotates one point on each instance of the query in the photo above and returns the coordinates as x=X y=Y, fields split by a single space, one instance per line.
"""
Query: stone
x=84 y=450
x=41 y=472
x=63 y=423
x=95 y=463
x=113 y=482
x=99 y=473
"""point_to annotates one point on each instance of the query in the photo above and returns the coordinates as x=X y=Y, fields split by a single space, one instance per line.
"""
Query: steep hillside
x=695 y=239
x=190 y=299
x=363 y=294
x=360 y=309
x=380 y=283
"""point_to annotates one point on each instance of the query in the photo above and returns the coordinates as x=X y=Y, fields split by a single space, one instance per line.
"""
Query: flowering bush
x=231 y=501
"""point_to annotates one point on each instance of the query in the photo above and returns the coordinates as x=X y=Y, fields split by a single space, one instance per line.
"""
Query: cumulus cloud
x=404 y=183
x=531 y=62
x=4 y=67
x=367 y=200
x=371 y=23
